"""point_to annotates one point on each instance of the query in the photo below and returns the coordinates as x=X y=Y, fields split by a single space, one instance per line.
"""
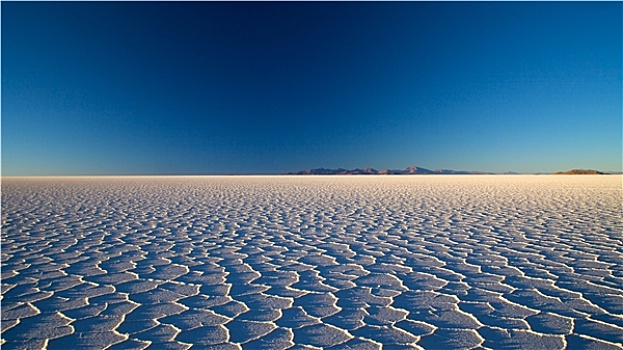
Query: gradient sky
x=219 y=88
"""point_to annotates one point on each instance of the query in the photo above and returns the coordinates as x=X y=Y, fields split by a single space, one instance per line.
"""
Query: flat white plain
x=313 y=262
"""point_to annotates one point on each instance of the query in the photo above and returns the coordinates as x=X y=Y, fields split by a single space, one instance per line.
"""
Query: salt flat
x=313 y=262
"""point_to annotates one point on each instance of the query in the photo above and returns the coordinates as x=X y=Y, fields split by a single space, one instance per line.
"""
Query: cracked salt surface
x=312 y=262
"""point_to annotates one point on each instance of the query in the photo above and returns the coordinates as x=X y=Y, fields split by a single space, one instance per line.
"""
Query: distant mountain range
x=580 y=172
x=412 y=170
x=415 y=170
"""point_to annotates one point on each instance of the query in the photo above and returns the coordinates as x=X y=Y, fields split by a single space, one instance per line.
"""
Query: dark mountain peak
x=417 y=170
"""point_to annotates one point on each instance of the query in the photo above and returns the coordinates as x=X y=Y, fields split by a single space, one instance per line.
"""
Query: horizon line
x=279 y=175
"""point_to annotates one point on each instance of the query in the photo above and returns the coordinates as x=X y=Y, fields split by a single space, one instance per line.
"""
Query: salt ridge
x=312 y=262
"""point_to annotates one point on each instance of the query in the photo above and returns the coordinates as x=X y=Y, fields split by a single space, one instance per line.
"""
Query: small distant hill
x=580 y=172
x=412 y=170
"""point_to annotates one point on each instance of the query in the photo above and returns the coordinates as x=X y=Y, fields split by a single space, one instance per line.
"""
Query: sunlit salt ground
x=442 y=262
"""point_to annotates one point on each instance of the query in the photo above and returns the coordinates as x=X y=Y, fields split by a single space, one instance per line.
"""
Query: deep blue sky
x=213 y=88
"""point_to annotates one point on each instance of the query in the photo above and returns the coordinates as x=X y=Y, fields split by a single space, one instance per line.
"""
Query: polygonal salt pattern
x=281 y=262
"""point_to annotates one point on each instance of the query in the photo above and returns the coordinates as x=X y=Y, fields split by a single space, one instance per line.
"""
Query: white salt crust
x=307 y=262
